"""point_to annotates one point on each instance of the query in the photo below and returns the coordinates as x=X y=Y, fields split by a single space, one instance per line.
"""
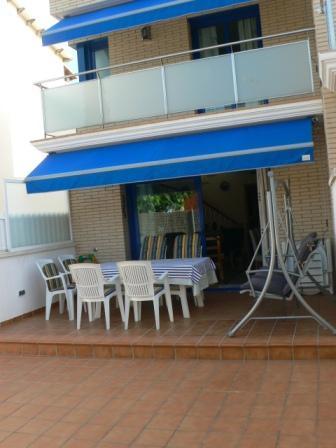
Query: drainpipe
x=331 y=23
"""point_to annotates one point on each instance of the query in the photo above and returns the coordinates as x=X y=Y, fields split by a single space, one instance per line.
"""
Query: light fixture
x=146 y=33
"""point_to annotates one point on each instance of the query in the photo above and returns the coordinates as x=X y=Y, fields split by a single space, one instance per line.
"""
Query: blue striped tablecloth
x=189 y=269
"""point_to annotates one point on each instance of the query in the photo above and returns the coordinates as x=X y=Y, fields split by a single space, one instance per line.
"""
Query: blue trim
x=133 y=221
x=86 y=56
x=129 y=15
x=133 y=217
x=235 y=149
x=199 y=192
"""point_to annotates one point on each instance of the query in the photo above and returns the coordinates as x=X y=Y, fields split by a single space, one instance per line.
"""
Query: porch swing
x=275 y=281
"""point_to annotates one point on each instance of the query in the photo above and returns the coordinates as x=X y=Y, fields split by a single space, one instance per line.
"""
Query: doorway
x=231 y=222
x=222 y=208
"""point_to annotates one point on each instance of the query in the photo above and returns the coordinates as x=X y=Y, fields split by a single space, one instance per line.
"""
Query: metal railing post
x=100 y=100
x=234 y=76
x=164 y=87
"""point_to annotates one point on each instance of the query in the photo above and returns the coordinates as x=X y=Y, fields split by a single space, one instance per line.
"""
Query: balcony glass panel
x=273 y=72
x=134 y=95
x=203 y=84
x=72 y=106
x=200 y=84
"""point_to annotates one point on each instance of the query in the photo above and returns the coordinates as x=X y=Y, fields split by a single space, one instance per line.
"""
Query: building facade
x=25 y=60
x=257 y=78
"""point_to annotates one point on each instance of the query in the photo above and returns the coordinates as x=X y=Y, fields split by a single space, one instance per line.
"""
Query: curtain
x=207 y=38
x=247 y=29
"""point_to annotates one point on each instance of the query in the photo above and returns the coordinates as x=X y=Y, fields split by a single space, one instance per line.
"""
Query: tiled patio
x=204 y=336
x=77 y=403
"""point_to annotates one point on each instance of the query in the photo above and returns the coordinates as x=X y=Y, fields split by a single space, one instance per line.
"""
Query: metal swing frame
x=277 y=263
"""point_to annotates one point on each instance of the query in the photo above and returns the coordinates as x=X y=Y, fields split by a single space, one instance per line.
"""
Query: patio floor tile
x=166 y=403
x=203 y=336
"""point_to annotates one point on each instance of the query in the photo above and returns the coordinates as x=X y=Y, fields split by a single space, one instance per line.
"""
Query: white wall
x=18 y=272
x=23 y=62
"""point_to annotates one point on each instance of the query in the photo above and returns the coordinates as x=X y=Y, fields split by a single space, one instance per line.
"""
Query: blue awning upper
x=245 y=148
x=128 y=15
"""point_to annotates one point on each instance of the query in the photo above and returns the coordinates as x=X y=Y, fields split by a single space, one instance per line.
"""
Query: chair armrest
x=112 y=280
x=60 y=275
x=162 y=279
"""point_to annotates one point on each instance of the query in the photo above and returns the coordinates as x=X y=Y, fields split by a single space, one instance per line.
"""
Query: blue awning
x=245 y=148
x=128 y=15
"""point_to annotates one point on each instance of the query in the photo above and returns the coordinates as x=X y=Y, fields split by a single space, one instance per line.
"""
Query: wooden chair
x=141 y=285
x=214 y=251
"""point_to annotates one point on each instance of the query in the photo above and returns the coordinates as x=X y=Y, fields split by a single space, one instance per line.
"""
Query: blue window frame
x=226 y=27
x=132 y=192
x=92 y=55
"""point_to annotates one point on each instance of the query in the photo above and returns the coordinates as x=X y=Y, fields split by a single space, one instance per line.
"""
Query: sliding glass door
x=164 y=208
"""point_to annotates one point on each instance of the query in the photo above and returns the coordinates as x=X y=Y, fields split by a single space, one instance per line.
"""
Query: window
x=225 y=27
x=93 y=55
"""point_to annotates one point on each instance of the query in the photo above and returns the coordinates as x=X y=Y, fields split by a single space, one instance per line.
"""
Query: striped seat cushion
x=51 y=270
x=108 y=289
x=188 y=246
x=66 y=264
x=154 y=247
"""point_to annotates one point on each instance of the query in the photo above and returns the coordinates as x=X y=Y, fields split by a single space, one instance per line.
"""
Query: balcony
x=157 y=89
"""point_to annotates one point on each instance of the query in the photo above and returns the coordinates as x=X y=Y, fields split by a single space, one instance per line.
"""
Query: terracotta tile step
x=228 y=351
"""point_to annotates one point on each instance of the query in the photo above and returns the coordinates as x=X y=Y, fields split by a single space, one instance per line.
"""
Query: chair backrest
x=89 y=280
x=214 y=247
x=137 y=277
x=65 y=261
x=48 y=268
x=307 y=245
x=188 y=246
x=153 y=247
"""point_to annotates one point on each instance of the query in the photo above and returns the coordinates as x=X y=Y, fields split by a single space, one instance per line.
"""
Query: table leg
x=199 y=299
x=184 y=302
x=98 y=310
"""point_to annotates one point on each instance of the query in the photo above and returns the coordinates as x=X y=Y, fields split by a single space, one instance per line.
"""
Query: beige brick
x=99 y=221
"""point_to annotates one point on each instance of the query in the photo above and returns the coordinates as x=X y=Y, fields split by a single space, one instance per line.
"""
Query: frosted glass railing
x=3 y=235
x=36 y=219
x=38 y=229
x=210 y=83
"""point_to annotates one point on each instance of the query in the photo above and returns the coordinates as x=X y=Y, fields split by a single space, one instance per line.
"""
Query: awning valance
x=128 y=15
x=235 y=149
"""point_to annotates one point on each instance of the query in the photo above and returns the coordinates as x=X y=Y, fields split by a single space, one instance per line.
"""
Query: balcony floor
x=201 y=337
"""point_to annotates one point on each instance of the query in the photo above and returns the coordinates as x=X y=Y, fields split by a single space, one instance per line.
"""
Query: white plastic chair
x=141 y=285
x=92 y=288
x=56 y=285
x=181 y=292
x=65 y=261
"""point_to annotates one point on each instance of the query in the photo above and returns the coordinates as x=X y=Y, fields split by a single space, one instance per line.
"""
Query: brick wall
x=310 y=191
x=99 y=221
x=329 y=98
x=61 y=7
x=167 y=37
x=309 y=184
